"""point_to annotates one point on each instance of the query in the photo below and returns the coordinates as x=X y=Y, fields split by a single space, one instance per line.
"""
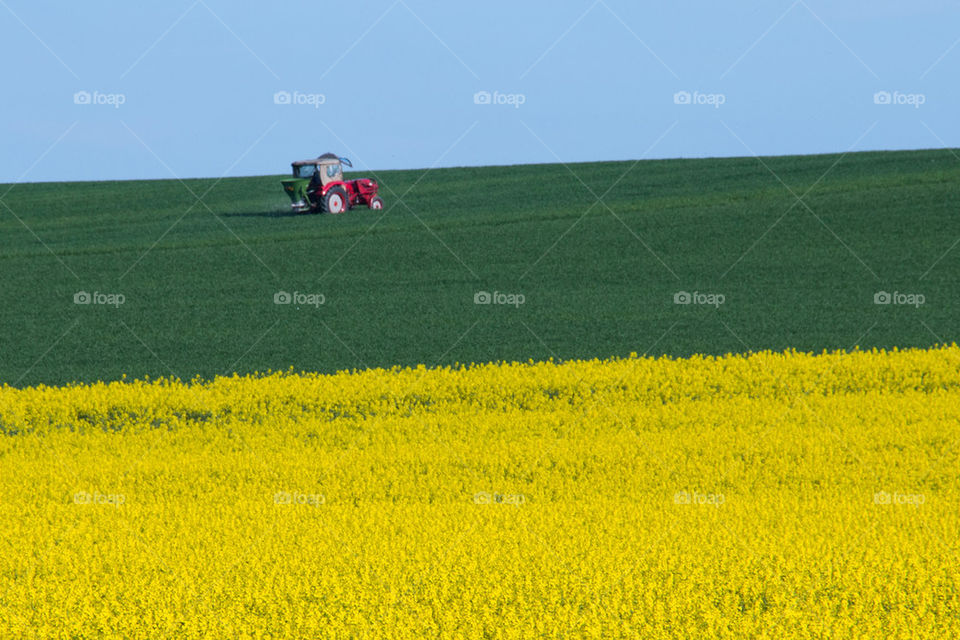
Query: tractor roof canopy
x=327 y=158
x=328 y=167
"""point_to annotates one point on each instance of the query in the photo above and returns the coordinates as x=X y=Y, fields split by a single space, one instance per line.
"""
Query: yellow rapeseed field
x=776 y=495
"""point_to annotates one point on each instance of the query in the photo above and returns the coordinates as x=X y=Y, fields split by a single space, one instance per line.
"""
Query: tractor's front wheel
x=376 y=202
x=335 y=201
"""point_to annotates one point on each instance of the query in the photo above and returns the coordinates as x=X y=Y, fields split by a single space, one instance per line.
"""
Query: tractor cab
x=317 y=185
x=321 y=171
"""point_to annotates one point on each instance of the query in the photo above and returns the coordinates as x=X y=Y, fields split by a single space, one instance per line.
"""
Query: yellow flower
x=781 y=495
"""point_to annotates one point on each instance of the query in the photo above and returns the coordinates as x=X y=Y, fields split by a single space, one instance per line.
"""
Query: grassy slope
x=400 y=291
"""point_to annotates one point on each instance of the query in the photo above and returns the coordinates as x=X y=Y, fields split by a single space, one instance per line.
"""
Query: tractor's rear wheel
x=335 y=201
x=376 y=202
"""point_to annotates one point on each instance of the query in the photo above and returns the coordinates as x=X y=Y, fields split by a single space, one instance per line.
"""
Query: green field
x=598 y=279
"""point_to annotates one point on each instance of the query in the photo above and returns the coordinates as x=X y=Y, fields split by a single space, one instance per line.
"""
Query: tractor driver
x=315 y=180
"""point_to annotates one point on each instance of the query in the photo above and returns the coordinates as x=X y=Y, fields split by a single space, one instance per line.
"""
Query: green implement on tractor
x=296 y=188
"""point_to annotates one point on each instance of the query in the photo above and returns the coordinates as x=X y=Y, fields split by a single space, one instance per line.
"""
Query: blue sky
x=193 y=88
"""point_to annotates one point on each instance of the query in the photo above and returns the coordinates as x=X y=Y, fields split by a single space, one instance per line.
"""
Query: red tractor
x=318 y=186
